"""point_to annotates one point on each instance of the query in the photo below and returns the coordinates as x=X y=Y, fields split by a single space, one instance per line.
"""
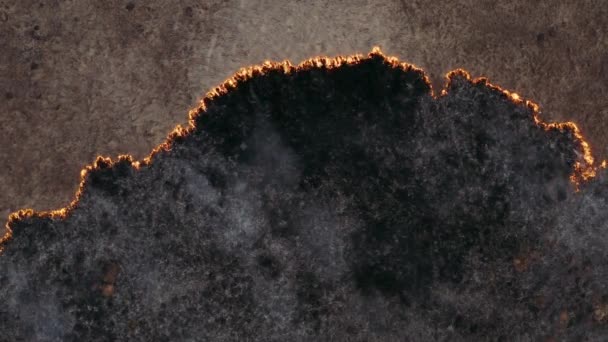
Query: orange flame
x=582 y=171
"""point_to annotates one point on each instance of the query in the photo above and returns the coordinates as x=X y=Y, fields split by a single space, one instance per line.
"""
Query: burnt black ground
x=326 y=204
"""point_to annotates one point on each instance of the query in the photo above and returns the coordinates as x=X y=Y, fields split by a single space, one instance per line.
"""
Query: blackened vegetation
x=301 y=203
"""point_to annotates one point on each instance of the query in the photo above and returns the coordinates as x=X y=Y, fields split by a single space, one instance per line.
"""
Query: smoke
x=338 y=200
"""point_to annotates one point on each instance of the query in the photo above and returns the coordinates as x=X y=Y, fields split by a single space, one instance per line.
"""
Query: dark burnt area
x=433 y=182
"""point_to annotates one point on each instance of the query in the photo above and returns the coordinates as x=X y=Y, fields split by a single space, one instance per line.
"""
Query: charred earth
x=339 y=200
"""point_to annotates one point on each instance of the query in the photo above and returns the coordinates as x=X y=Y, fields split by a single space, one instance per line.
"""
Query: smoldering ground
x=338 y=200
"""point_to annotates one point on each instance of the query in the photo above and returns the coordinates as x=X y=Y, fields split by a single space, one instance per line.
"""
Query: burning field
x=337 y=200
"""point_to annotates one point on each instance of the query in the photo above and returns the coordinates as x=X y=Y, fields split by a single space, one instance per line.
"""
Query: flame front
x=583 y=169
